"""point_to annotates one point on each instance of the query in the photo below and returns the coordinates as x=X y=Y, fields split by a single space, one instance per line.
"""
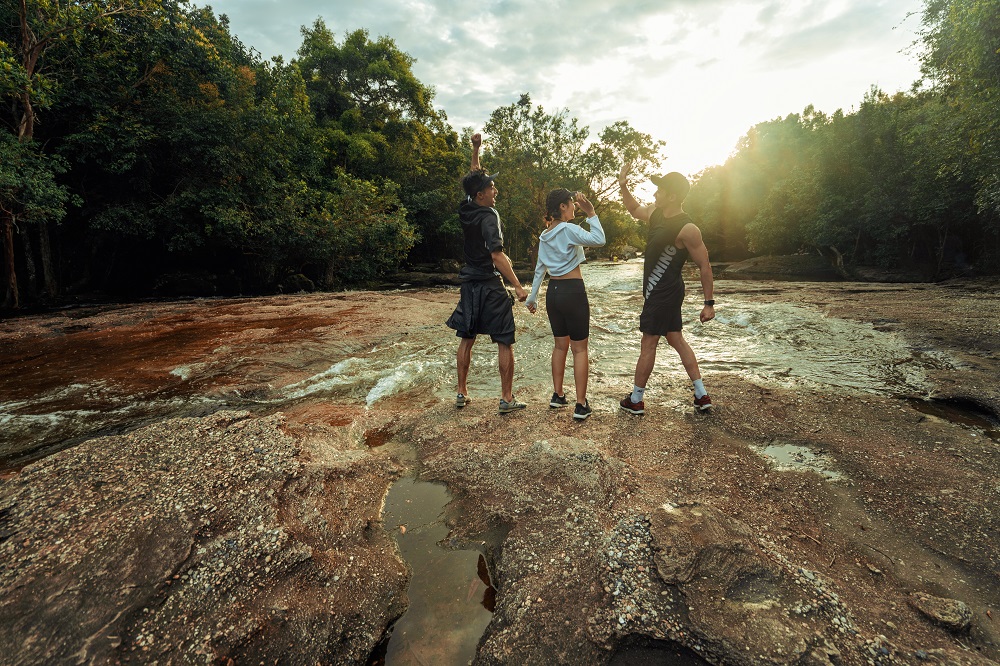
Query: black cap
x=475 y=182
x=673 y=183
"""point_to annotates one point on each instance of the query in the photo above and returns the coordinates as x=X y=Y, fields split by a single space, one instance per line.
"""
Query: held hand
x=707 y=313
x=532 y=307
x=477 y=140
x=585 y=205
x=522 y=295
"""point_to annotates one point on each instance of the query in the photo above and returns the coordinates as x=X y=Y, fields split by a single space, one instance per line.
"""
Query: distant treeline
x=145 y=150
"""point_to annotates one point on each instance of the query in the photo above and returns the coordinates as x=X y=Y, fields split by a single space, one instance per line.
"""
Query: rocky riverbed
x=239 y=520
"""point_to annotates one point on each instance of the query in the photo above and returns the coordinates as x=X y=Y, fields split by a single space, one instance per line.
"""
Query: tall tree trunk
x=7 y=230
x=29 y=259
x=48 y=266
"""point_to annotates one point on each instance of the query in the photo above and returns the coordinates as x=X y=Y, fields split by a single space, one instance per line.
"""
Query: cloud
x=734 y=62
x=859 y=25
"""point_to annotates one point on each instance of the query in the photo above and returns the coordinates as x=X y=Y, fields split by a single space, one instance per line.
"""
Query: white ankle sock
x=637 y=392
x=699 y=388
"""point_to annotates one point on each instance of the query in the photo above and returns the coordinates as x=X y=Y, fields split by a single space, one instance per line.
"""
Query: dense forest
x=145 y=150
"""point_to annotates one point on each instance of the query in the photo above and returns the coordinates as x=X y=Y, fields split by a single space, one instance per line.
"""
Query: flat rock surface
x=249 y=530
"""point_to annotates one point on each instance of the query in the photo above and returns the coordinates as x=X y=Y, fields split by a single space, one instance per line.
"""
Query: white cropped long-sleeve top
x=560 y=250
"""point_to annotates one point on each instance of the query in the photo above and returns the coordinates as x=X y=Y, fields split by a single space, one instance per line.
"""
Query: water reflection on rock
x=451 y=598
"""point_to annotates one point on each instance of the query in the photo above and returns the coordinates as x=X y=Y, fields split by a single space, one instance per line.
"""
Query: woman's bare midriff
x=575 y=274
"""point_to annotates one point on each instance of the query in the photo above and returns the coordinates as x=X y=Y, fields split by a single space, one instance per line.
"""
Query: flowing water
x=66 y=396
x=64 y=389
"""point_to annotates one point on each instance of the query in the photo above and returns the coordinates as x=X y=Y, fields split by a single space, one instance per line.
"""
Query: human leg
x=581 y=368
x=464 y=361
x=647 y=359
x=633 y=402
x=676 y=340
x=506 y=356
x=559 y=351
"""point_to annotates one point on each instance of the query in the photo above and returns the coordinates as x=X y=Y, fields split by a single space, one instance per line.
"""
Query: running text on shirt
x=661 y=267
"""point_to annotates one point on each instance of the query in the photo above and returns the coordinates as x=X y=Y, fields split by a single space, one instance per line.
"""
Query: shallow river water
x=770 y=344
x=63 y=393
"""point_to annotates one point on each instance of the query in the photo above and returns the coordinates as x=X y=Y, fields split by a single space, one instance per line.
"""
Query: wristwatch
x=710 y=302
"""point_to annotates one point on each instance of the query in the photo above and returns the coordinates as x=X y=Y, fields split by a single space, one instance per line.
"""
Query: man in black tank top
x=671 y=239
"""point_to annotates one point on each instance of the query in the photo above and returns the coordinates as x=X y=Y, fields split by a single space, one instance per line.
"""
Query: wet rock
x=180 y=543
x=951 y=614
x=736 y=595
x=803 y=266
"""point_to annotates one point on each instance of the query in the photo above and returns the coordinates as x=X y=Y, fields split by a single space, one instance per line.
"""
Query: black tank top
x=663 y=260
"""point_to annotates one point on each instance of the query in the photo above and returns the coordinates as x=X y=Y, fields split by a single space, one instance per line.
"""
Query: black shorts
x=485 y=307
x=568 y=309
x=661 y=313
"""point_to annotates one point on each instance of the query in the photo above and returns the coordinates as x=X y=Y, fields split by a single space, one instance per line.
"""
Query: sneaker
x=703 y=404
x=632 y=407
x=582 y=411
x=558 y=401
x=512 y=406
x=461 y=401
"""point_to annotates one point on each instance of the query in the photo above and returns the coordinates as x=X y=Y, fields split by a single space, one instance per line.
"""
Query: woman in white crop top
x=560 y=253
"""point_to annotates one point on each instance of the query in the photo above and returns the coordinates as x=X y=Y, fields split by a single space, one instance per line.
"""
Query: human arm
x=477 y=141
x=636 y=210
x=595 y=237
x=690 y=238
x=536 y=284
x=502 y=263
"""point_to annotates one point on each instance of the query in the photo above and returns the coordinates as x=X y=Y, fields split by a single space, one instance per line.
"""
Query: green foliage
x=164 y=144
x=376 y=121
x=534 y=152
x=29 y=190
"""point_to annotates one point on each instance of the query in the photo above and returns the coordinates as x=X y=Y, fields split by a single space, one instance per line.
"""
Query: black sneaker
x=461 y=400
x=558 y=401
x=582 y=411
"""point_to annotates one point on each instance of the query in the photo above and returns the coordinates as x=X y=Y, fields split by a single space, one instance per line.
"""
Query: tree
x=962 y=62
x=29 y=194
x=377 y=122
x=38 y=45
x=535 y=152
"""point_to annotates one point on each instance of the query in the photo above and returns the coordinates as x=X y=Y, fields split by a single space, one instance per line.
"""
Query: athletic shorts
x=568 y=309
x=485 y=307
x=661 y=313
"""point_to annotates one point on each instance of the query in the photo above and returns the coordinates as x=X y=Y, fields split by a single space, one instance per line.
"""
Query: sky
x=696 y=74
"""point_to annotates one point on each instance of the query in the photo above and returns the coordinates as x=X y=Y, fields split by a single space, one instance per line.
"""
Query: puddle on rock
x=642 y=651
x=789 y=457
x=451 y=596
x=966 y=413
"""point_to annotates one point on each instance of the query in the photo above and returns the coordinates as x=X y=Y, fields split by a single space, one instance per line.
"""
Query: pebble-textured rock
x=190 y=541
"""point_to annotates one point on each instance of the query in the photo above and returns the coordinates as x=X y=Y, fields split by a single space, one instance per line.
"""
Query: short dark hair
x=476 y=181
x=673 y=183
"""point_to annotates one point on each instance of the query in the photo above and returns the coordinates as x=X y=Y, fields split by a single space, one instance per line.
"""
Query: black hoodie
x=483 y=237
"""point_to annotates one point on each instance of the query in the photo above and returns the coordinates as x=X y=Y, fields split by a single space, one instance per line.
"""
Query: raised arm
x=593 y=238
x=477 y=141
x=633 y=207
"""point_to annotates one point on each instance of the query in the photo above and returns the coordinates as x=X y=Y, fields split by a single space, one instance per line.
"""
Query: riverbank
x=792 y=525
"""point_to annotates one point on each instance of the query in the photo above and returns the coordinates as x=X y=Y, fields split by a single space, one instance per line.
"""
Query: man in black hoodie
x=485 y=307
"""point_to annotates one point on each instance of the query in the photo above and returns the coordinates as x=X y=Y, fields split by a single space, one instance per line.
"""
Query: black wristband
x=712 y=303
